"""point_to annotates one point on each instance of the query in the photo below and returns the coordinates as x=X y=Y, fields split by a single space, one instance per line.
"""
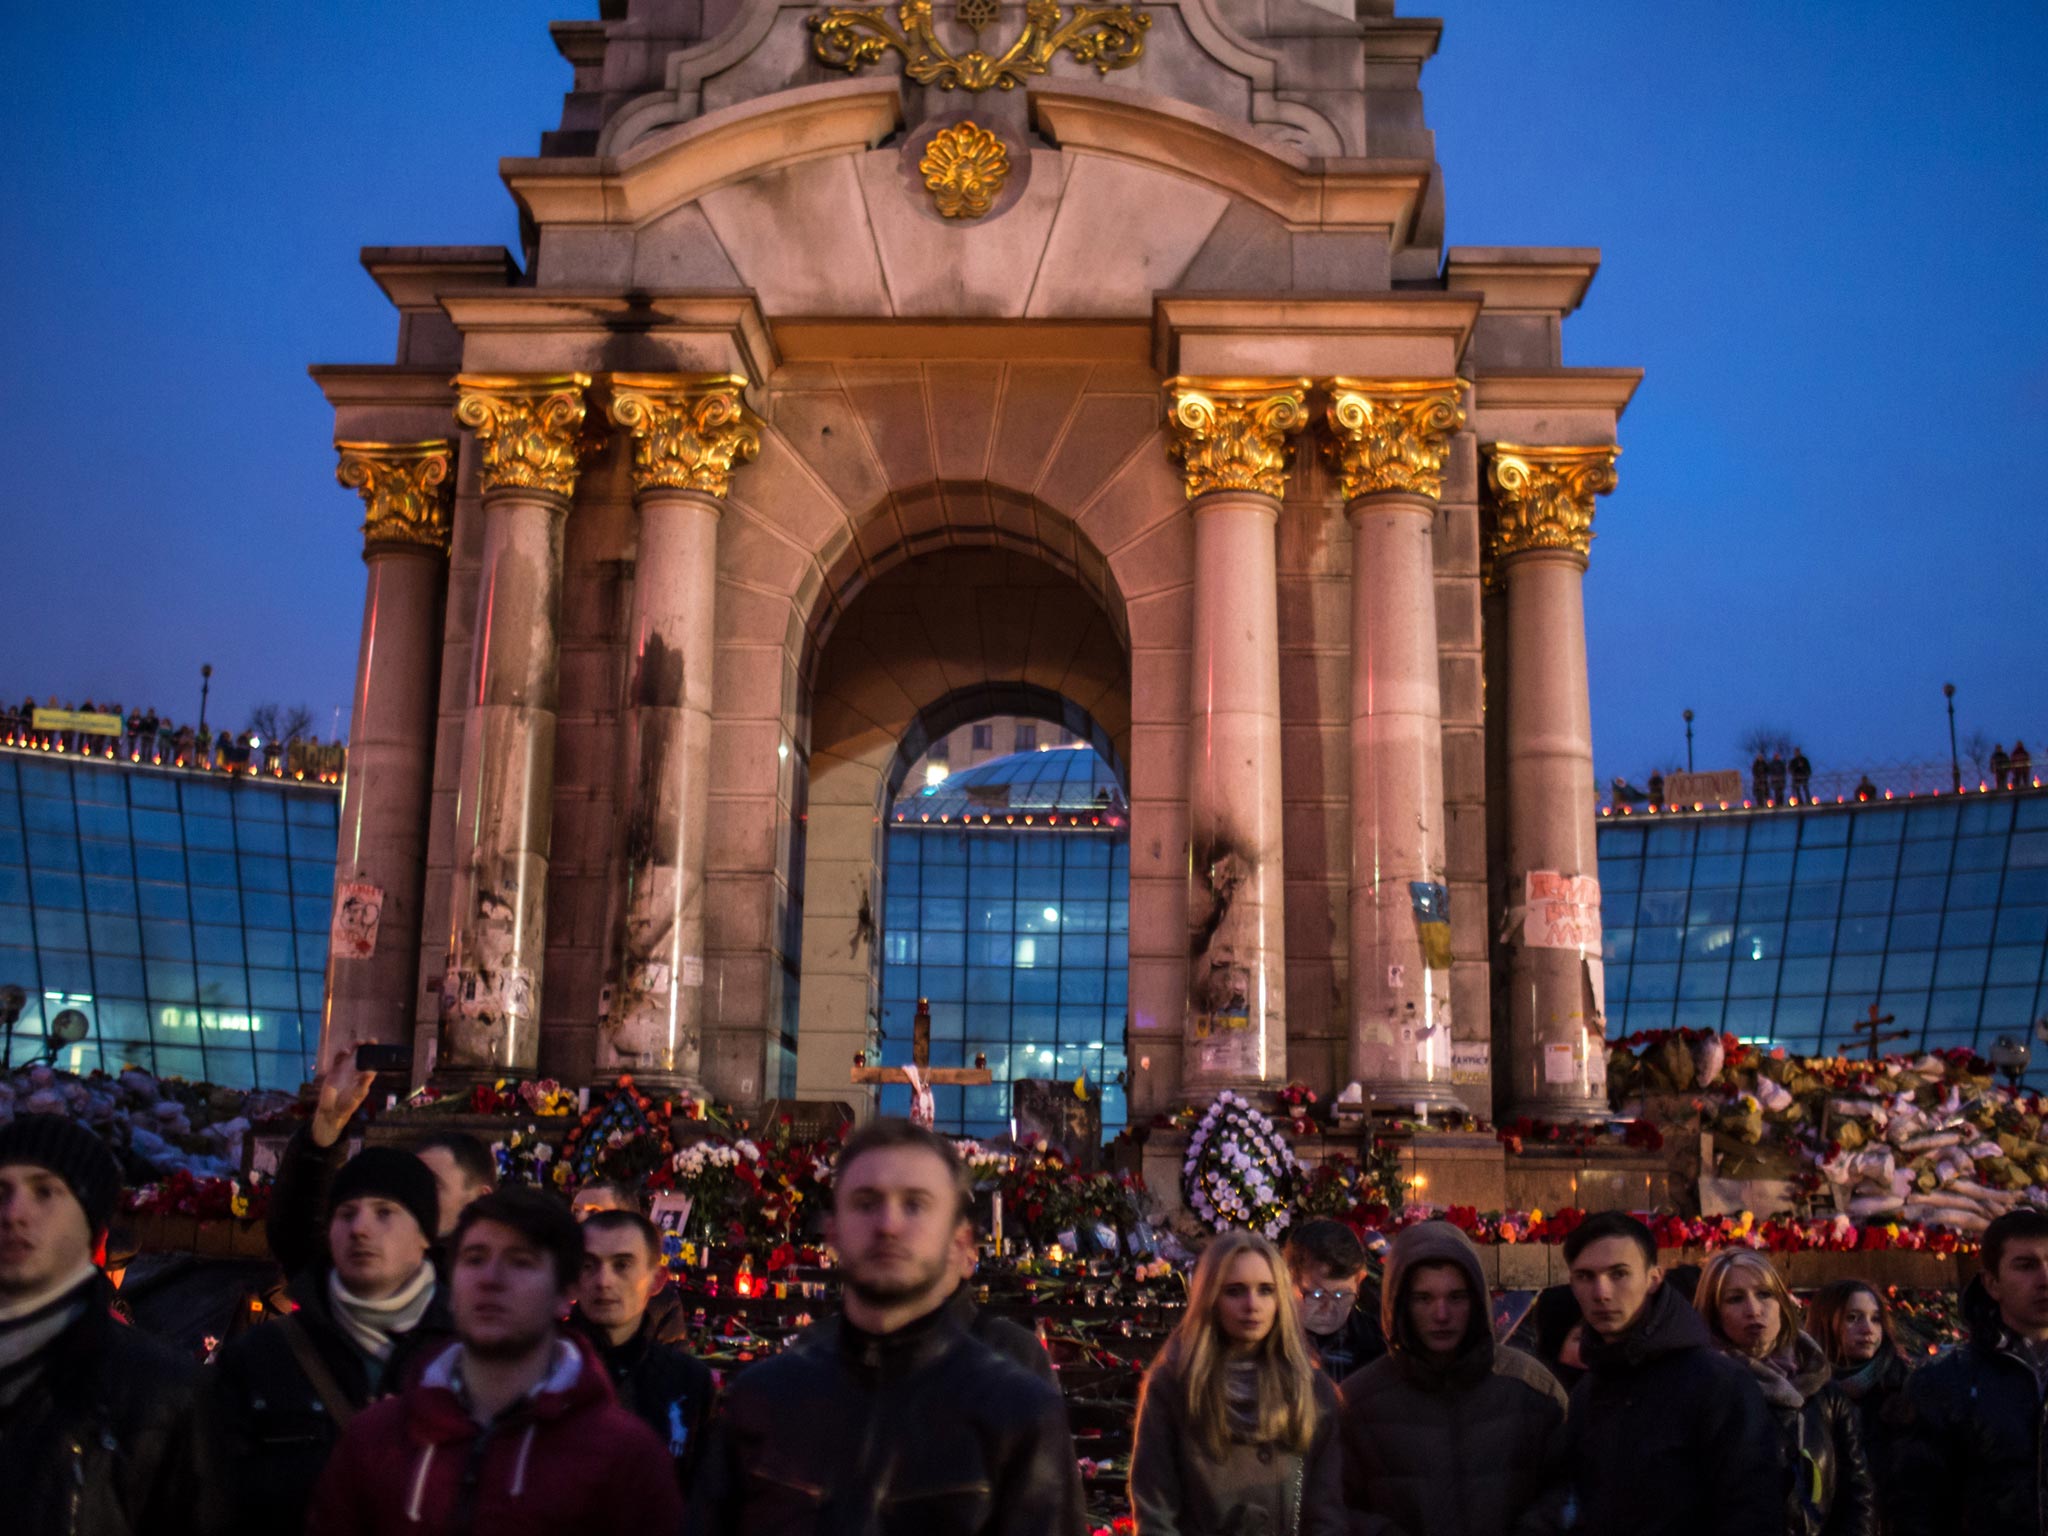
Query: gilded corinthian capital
x=1231 y=434
x=528 y=428
x=1543 y=497
x=405 y=489
x=688 y=429
x=1392 y=435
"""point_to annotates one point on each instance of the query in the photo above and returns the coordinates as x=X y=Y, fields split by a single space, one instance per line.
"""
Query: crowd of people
x=458 y=1357
x=1777 y=780
x=147 y=737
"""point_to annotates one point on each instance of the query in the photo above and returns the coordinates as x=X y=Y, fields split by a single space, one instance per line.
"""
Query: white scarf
x=373 y=1325
x=29 y=1325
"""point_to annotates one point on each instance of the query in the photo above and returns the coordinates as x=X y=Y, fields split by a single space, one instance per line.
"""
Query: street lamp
x=205 y=682
x=1688 y=741
x=1955 y=766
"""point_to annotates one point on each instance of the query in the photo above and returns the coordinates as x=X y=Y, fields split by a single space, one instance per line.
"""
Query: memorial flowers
x=1239 y=1171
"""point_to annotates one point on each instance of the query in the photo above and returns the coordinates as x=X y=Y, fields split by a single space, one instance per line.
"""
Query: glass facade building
x=1006 y=904
x=1785 y=926
x=184 y=914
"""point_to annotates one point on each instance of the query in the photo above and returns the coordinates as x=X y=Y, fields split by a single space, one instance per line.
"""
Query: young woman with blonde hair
x=1754 y=1319
x=1235 y=1424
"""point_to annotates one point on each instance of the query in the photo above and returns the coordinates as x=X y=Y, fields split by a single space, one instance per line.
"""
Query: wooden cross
x=1871 y=1030
x=976 y=1076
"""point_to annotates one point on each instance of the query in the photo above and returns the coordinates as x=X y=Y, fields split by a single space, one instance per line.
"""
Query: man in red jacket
x=513 y=1430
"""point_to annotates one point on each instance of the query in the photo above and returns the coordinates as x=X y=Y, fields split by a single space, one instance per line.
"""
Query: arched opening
x=922 y=652
x=1007 y=912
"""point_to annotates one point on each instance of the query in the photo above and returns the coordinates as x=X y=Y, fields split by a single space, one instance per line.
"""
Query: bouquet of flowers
x=1238 y=1172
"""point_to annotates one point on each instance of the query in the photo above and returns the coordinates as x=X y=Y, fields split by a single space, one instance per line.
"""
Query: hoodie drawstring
x=519 y=1466
x=419 y=1484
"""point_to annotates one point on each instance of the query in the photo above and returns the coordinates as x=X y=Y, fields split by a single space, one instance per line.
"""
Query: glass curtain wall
x=1785 y=927
x=186 y=918
x=1017 y=935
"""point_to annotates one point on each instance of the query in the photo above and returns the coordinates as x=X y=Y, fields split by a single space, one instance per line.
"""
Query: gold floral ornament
x=965 y=167
x=1109 y=37
x=1543 y=497
x=1393 y=435
x=1231 y=434
x=529 y=428
x=688 y=430
x=406 y=488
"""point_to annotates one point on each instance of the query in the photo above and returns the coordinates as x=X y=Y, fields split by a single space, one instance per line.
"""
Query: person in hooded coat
x=1754 y=1320
x=1668 y=1437
x=1449 y=1434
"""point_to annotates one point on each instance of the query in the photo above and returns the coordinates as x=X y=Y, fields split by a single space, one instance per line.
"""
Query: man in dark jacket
x=671 y=1392
x=1448 y=1434
x=277 y=1399
x=891 y=1417
x=1667 y=1436
x=299 y=1200
x=1970 y=1427
x=1340 y=1311
x=513 y=1430
x=94 y=1416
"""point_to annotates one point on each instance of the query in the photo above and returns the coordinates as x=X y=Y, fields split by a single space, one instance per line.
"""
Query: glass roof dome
x=1059 y=786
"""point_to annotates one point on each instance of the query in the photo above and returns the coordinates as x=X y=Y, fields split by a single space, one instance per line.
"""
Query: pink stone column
x=380 y=863
x=687 y=431
x=1541 y=535
x=527 y=433
x=1388 y=441
x=1231 y=438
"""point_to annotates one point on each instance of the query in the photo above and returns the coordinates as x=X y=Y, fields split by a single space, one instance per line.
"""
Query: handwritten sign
x=1563 y=911
x=1724 y=787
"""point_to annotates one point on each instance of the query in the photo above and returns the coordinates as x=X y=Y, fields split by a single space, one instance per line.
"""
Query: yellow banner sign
x=76 y=720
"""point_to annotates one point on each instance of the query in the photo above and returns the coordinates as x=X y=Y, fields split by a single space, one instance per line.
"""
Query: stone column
x=1230 y=436
x=688 y=430
x=1388 y=442
x=380 y=864
x=1541 y=533
x=528 y=433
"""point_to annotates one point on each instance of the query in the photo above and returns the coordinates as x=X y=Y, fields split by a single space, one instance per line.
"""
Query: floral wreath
x=1238 y=1169
x=626 y=1137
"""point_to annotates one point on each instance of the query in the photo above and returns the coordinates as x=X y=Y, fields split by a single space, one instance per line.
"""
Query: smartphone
x=373 y=1057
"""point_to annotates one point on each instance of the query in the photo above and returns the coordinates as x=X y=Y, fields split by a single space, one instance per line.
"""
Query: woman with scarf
x=1754 y=1319
x=1853 y=1326
x=1236 y=1427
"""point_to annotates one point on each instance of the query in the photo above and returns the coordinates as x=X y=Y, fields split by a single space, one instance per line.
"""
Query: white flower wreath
x=1238 y=1169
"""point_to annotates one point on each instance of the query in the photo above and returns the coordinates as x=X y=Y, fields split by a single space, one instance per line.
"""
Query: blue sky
x=1822 y=228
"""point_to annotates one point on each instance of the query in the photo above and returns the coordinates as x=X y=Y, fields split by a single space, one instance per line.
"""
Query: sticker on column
x=1560 y=1062
x=693 y=970
x=1471 y=1063
x=358 y=909
x=1563 y=911
x=1396 y=975
x=1222 y=1023
x=1432 y=903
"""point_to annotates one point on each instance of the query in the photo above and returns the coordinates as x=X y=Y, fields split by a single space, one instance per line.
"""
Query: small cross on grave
x=1872 y=1031
x=926 y=1076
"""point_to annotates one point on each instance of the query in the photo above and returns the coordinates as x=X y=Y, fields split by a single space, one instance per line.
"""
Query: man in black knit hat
x=94 y=1415
x=277 y=1399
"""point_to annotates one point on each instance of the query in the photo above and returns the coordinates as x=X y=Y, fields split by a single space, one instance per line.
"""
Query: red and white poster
x=1563 y=912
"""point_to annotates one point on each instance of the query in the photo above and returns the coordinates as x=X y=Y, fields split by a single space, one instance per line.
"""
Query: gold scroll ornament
x=1392 y=435
x=405 y=488
x=1109 y=37
x=1543 y=497
x=964 y=168
x=529 y=429
x=1231 y=434
x=688 y=430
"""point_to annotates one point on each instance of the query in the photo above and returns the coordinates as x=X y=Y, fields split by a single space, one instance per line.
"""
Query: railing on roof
x=300 y=761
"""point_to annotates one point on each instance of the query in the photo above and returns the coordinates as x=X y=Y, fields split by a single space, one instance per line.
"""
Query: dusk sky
x=1822 y=228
